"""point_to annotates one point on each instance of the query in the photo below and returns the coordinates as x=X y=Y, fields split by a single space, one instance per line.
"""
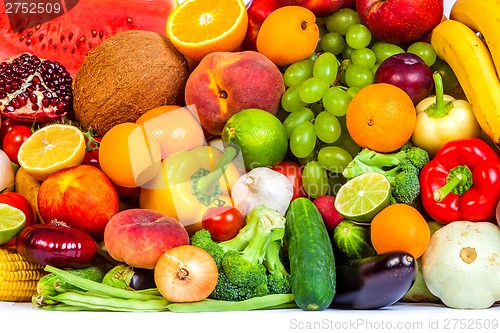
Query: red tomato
x=7 y=125
x=92 y=152
x=223 y=222
x=17 y=200
x=14 y=139
x=293 y=171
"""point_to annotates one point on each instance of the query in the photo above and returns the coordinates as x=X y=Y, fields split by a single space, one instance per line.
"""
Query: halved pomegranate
x=34 y=89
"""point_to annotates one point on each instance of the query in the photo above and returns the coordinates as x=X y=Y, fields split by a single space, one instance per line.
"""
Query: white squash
x=461 y=264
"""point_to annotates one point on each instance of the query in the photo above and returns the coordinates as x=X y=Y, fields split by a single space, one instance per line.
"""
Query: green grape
x=298 y=72
x=327 y=127
x=358 y=36
x=315 y=179
x=384 y=50
x=346 y=52
x=364 y=57
x=326 y=67
x=341 y=20
x=358 y=76
x=322 y=33
x=449 y=78
x=345 y=141
x=336 y=101
x=296 y=118
x=313 y=156
x=334 y=158
x=425 y=51
x=303 y=139
x=290 y=100
x=344 y=65
x=374 y=68
x=351 y=91
x=332 y=42
x=313 y=89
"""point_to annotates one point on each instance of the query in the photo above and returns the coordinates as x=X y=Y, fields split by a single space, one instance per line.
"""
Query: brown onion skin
x=56 y=245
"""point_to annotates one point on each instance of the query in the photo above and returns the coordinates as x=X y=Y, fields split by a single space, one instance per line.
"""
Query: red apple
x=408 y=72
x=257 y=13
x=349 y=4
x=82 y=197
x=331 y=217
x=318 y=7
x=400 y=21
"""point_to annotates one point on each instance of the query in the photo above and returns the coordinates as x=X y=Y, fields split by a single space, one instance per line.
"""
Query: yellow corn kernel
x=18 y=276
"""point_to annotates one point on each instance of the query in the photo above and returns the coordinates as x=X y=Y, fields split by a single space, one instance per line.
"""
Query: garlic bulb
x=262 y=186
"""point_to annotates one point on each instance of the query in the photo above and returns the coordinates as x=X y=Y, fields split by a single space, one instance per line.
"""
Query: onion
x=185 y=273
x=56 y=244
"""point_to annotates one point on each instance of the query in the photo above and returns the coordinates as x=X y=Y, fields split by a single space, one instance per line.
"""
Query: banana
x=481 y=16
x=471 y=62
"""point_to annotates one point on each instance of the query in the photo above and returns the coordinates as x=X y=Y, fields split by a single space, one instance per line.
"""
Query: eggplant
x=373 y=282
x=131 y=278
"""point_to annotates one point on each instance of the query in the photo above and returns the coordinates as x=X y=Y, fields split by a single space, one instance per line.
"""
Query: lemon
x=259 y=134
x=50 y=149
x=362 y=197
x=12 y=220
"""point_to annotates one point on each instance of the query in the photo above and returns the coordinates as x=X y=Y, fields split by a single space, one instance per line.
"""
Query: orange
x=381 y=117
x=400 y=227
x=199 y=27
x=288 y=34
x=176 y=128
x=129 y=155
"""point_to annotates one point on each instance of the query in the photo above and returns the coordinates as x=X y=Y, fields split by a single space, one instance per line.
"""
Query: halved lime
x=12 y=220
x=362 y=197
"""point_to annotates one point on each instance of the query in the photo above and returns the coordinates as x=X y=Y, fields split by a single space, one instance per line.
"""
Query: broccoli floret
x=368 y=160
x=278 y=278
x=203 y=239
x=418 y=157
x=227 y=291
x=242 y=273
x=406 y=187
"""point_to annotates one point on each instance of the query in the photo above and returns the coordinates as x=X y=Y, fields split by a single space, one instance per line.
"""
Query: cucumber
x=310 y=251
x=353 y=240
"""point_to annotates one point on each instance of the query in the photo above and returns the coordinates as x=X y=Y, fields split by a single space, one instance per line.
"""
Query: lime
x=362 y=197
x=260 y=135
x=12 y=220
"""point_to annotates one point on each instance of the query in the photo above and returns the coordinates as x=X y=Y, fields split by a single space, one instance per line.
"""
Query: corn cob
x=18 y=277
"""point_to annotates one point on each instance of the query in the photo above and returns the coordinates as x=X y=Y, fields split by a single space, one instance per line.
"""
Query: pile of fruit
x=221 y=155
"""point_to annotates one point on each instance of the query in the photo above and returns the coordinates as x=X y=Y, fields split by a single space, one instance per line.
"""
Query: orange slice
x=50 y=149
x=199 y=27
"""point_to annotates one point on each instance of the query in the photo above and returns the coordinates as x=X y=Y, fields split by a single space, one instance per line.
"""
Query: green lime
x=12 y=220
x=362 y=197
x=260 y=135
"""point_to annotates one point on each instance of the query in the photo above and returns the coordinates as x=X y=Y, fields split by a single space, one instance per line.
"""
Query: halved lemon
x=50 y=149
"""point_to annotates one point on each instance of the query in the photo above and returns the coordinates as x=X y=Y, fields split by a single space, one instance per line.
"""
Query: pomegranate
x=34 y=89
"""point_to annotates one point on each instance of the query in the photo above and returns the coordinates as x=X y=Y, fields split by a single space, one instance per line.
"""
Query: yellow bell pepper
x=190 y=183
x=441 y=119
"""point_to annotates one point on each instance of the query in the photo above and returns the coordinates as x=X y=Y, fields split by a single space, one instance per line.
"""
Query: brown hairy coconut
x=125 y=76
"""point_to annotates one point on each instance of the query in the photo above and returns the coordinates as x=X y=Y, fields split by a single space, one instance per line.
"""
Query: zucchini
x=310 y=251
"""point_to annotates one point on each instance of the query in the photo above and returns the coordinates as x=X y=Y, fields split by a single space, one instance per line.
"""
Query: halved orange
x=50 y=149
x=199 y=27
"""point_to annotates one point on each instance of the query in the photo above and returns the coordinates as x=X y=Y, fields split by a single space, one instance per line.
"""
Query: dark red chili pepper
x=462 y=182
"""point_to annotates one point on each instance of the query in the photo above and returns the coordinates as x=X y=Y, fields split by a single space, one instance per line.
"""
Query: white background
x=15 y=317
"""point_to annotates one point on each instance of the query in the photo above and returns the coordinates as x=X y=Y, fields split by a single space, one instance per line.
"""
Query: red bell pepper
x=462 y=182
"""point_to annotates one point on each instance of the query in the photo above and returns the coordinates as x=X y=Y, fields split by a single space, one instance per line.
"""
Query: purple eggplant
x=373 y=282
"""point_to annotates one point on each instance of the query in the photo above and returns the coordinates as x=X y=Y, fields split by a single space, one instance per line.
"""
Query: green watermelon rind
x=353 y=240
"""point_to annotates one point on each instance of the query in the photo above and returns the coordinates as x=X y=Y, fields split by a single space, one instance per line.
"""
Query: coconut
x=125 y=76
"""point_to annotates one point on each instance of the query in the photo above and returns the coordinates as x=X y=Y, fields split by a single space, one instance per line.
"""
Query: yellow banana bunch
x=471 y=61
x=481 y=16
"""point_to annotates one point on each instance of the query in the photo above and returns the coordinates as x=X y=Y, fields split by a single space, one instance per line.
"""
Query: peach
x=224 y=83
x=139 y=237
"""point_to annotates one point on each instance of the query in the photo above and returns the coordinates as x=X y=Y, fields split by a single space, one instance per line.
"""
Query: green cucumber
x=310 y=251
x=353 y=240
